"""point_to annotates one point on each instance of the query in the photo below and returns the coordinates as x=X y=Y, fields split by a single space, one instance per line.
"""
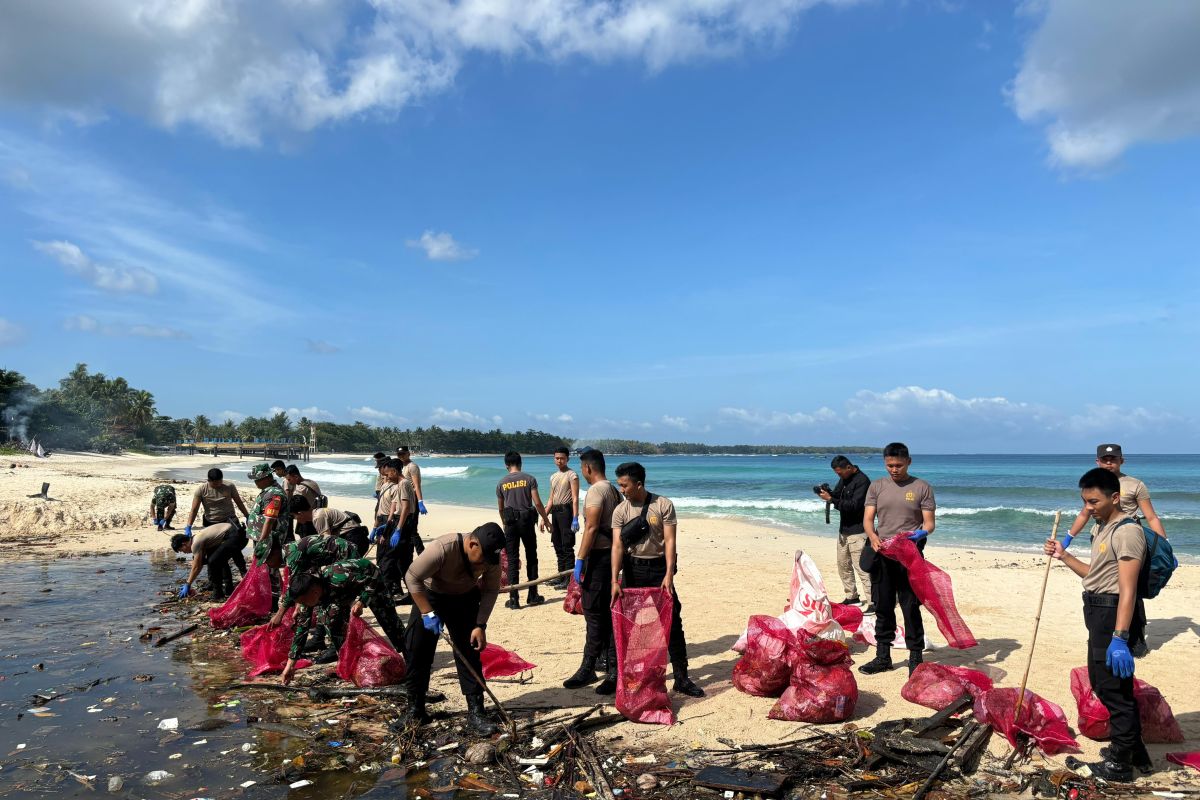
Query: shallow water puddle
x=87 y=705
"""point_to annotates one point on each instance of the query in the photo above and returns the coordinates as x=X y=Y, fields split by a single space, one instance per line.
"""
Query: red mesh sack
x=368 y=659
x=938 y=685
x=504 y=568
x=818 y=694
x=1159 y=725
x=766 y=664
x=816 y=651
x=849 y=617
x=250 y=601
x=267 y=648
x=642 y=625
x=1185 y=759
x=500 y=663
x=573 y=602
x=932 y=587
x=1039 y=719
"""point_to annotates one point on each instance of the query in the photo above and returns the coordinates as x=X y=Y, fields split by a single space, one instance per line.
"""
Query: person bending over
x=213 y=545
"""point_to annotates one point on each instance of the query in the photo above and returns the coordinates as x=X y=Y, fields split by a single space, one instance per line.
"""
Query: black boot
x=914 y=660
x=584 y=676
x=327 y=657
x=1109 y=770
x=415 y=717
x=513 y=602
x=533 y=598
x=477 y=720
x=685 y=685
x=882 y=662
x=1141 y=760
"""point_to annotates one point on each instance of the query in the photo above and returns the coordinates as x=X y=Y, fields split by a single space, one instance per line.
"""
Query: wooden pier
x=290 y=451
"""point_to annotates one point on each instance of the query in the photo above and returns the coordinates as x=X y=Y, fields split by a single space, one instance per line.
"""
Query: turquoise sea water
x=983 y=500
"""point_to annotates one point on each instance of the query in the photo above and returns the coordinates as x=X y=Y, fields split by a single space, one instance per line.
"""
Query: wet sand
x=728 y=571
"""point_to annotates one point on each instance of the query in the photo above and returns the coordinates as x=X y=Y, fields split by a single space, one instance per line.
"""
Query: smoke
x=17 y=411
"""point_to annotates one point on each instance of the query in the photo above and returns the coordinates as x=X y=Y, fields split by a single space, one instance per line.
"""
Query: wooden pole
x=1036 y=621
x=516 y=587
x=512 y=725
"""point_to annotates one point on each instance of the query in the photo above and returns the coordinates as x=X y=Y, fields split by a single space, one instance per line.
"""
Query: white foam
x=444 y=472
x=762 y=505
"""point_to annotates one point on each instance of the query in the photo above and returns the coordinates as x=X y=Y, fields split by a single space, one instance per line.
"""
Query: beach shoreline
x=729 y=570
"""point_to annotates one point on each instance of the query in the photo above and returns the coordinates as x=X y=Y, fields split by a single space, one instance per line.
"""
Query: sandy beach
x=728 y=571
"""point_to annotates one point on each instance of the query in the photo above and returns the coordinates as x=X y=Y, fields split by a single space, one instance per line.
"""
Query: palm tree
x=141 y=407
x=202 y=424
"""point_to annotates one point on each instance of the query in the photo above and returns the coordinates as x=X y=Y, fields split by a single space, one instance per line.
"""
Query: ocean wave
x=970 y=512
x=762 y=505
x=444 y=472
x=333 y=466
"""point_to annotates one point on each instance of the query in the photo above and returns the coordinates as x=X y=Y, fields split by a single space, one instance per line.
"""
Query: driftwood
x=595 y=772
x=508 y=720
x=516 y=587
x=177 y=634
x=966 y=734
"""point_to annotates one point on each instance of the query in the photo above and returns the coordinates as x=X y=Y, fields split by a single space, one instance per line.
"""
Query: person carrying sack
x=645 y=554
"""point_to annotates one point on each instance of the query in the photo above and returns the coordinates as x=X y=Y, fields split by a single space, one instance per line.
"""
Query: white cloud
x=1105 y=75
x=442 y=247
x=455 y=416
x=236 y=417
x=83 y=323
x=679 y=423
x=239 y=70
x=564 y=418
x=10 y=332
x=758 y=419
x=368 y=414
x=120 y=280
x=323 y=348
x=312 y=412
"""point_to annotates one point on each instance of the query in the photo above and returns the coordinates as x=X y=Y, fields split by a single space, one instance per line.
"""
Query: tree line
x=90 y=411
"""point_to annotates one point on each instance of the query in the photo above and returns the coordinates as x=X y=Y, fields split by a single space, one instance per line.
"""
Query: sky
x=968 y=226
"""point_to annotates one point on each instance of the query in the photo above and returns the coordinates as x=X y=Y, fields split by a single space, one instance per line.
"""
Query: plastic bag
x=849 y=617
x=267 y=648
x=500 y=663
x=808 y=606
x=1185 y=759
x=866 y=633
x=818 y=694
x=367 y=658
x=573 y=602
x=766 y=665
x=642 y=625
x=1040 y=719
x=938 y=685
x=1159 y=725
x=250 y=601
x=932 y=587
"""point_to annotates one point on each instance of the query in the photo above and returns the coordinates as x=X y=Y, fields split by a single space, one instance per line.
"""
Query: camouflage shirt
x=270 y=504
x=345 y=579
x=312 y=553
x=164 y=495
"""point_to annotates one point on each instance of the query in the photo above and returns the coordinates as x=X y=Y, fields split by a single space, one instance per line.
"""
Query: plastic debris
x=157 y=776
x=169 y=724
x=116 y=783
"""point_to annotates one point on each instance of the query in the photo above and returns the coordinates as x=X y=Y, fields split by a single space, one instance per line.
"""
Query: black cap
x=1108 y=450
x=491 y=539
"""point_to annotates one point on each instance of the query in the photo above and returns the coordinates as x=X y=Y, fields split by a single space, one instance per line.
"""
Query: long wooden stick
x=1036 y=621
x=516 y=587
x=512 y=725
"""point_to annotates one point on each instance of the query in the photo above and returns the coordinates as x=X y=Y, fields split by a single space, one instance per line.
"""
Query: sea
x=989 y=501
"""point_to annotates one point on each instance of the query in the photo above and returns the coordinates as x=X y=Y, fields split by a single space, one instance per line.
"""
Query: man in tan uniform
x=218 y=497
x=650 y=562
x=564 y=513
x=1135 y=503
x=393 y=552
x=413 y=473
x=297 y=484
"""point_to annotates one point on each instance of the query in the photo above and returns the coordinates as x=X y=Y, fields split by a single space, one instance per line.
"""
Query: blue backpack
x=1159 y=565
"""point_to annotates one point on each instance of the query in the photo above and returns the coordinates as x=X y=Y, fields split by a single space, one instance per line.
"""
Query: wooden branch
x=177 y=634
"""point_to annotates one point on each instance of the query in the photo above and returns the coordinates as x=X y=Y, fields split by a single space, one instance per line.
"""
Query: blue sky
x=971 y=226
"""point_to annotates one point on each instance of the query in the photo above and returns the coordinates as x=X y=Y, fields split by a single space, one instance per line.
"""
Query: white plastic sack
x=808 y=604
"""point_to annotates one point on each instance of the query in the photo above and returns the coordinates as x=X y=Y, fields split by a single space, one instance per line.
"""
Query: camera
x=824 y=487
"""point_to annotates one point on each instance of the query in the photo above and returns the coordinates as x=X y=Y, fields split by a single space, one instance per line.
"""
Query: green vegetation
x=90 y=411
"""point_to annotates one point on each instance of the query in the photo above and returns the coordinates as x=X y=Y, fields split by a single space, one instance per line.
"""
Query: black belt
x=1101 y=599
x=561 y=507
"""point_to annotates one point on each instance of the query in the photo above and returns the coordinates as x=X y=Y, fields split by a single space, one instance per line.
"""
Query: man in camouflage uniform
x=268 y=522
x=341 y=589
x=309 y=554
x=162 y=506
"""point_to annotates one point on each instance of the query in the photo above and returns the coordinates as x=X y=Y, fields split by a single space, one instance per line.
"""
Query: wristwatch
x=1122 y=635
x=481 y=625
x=430 y=615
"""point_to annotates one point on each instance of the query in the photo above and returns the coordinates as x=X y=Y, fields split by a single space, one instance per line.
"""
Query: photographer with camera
x=849 y=498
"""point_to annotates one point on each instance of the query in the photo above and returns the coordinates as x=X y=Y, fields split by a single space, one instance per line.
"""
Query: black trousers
x=891 y=586
x=242 y=539
x=336 y=617
x=358 y=537
x=219 y=573
x=393 y=562
x=522 y=531
x=1137 y=628
x=597 y=606
x=1125 y=723
x=640 y=573
x=561 y=536
x=459 y=612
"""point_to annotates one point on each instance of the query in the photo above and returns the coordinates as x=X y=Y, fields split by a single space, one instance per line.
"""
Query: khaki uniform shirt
x=412 y=472
x=331 y=522
x=661 y=513
x=1133 y=492
x=1115 y=541
x=389 y=501
x=217 y=503
x=406 y=491
x=443 y=568
x=560 y=487
x=380 y=482
x=602 y=495
x=206 y=540
x=308 y=489
x=898 y=506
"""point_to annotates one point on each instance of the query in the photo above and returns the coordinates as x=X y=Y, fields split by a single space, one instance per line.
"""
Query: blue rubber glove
x=186 y=589
x=578 y=570
x=159 y=522
x=574 y=524
x=377 y=495
x=395 y=540
x=432 y=623
x=918 y=535
x=1118 y=659
x=374 y=534
x=1067 y=541
x=187 y=529
x=421 y=507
